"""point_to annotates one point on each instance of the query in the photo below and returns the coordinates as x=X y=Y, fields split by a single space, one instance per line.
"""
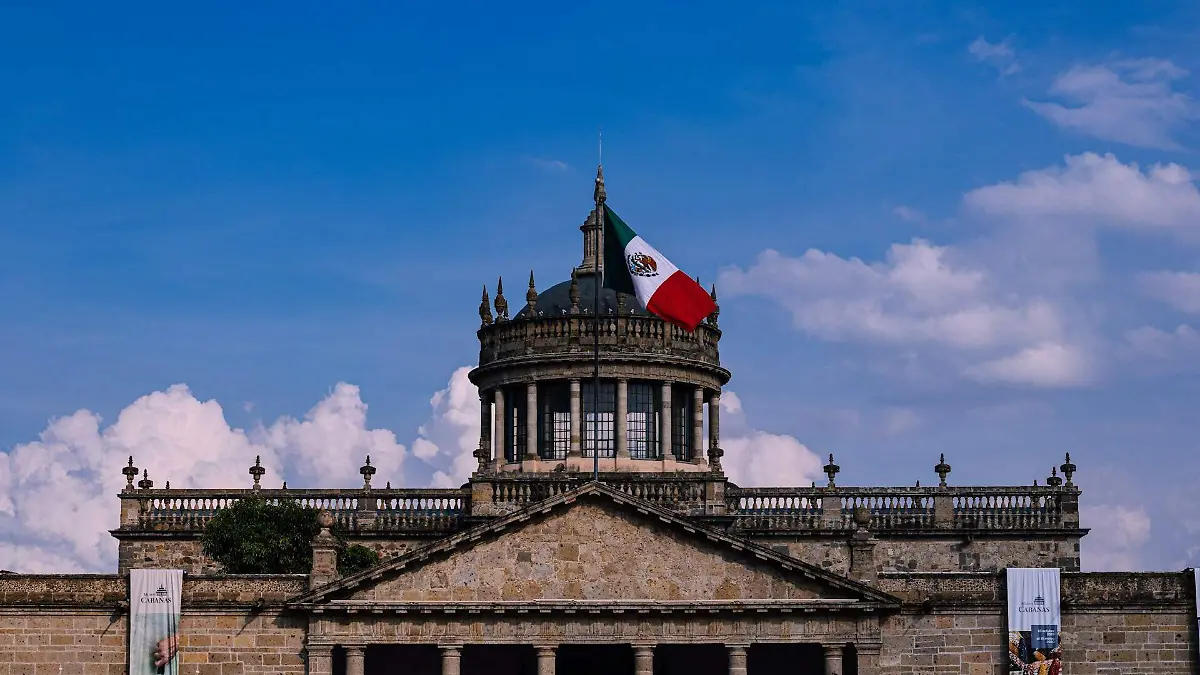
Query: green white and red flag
x=633 y=266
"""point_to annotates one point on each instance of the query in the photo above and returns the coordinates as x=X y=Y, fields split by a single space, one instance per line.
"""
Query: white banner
x=154 y=621
x=1034 y=621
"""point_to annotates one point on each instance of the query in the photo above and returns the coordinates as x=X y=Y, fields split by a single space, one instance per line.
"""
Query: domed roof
x=556 y=300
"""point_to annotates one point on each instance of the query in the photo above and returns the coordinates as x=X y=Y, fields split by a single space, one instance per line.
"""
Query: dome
x=556 y=300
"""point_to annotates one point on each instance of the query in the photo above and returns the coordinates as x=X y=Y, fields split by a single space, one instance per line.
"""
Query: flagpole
x=599 y=196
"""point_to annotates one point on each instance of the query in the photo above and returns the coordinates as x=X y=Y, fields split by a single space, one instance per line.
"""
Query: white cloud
x=759 y=458
x=1131 y=102
x=549 y=164
x=908 y=214
x=60 y=488
x=1151 y=342
x=999 y=55
x=1047 y=365
x=1097 y=189
x=1180 y=290
x=1118 y=536
x=451 y=436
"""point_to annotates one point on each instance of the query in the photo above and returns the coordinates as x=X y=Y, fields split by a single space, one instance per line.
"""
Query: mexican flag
x=635 y=267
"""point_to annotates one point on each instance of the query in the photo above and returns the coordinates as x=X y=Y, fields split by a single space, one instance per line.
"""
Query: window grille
x=600 y=438
x=681 y=422
x=554 y=432
x=642 y=420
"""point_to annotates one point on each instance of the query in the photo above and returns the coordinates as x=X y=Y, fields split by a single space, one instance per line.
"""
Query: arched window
x=514 y=423
x=642 y=420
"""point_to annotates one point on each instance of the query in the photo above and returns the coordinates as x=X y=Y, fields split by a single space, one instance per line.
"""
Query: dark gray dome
x=556 y=300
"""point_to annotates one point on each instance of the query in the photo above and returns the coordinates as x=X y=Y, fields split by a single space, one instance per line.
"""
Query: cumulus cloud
x=451 y=436
x=59 y=489
x=1119 y=533
x=1151 y=342
x=908 y=214
x=920 y=295
x=1132 y=102
x=759 y=458
x=999 y=55
x=1180 y=290
x=1097 y=189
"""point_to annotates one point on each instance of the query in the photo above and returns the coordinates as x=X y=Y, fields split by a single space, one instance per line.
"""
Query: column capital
x=354 y=649
x=451 y=649
x=545 y=649
x=737 y=648
x=318 y=650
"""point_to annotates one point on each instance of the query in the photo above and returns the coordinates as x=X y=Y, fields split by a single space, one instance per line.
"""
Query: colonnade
x=320 y=659
x=493 y=428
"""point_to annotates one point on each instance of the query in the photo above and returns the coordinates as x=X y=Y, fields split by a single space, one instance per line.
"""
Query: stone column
x=545 y=661
x=664 y=433
x=356 y=660
x=643 y=660
x=576 y=418
x=451 y=660
x=498 y=427
x=833 y=659
x=485 y=430
x=737 y=659
x=320 y=660
x=714 y=421
x=698 y=424
x=531 y=420
x=620 y=425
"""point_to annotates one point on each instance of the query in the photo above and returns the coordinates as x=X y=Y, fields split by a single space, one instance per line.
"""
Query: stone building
x=662 y=565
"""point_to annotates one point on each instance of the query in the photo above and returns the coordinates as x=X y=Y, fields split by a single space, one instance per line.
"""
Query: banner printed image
x=1034 y=622
x=154 y=621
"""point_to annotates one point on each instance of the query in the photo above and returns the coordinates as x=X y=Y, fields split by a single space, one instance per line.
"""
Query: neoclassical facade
x=661 y=566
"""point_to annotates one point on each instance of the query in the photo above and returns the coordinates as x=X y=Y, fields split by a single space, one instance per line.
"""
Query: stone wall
x=230 y=626
x=183 y=552
x=1113 y=624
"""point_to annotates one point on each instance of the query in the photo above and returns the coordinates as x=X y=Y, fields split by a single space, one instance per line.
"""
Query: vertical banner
x=1034 y=622
x=154 y=621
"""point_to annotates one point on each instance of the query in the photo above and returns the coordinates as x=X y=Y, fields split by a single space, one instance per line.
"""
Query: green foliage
x=255 y=536
x=356 y=558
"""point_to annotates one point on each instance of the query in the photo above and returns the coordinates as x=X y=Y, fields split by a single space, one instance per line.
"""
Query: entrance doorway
x=695 y=659
x=768 y=659
x=593 y=660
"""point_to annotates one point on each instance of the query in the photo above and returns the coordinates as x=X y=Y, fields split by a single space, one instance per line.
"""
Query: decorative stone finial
x=325 y=520
x=501 y=303
x=167 y=486
x=284 y=485
x=574 y=292
x=1053 y=481
x=145 y=483
x=831 y=470
x=942 y=469
x=918 y=482
x=389 y=485
x=367 y=471
x=257 y=471
x=862 y=517
x=712 y=318
x=599 y=194
x=130 y=472
x=485 y=312
x=1068 y=470
x=531 y=294
x=621 y=303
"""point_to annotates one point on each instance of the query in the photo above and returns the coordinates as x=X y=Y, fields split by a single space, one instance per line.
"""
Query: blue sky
x=264 y=201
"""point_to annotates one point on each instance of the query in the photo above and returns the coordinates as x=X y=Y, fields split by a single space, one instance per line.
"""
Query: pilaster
x=319 y=660
x=698 y=425
x=531 y=418
x=576 y=418
x=664 y=432
x=498 y=428
x=621 y=419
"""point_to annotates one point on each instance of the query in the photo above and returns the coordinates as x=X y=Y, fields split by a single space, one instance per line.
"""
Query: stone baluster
x=576 y=418
x=531 y=417
x=545 y=660
x=499 y=428
x=620 y=419
x=737 y=659
x=451 y=660
x=356 y=660
x=643 y=660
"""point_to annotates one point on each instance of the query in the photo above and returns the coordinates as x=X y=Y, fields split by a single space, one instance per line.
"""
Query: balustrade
x=624 y=333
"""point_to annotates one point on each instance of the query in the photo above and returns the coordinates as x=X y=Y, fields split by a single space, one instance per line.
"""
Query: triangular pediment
x=594 y=544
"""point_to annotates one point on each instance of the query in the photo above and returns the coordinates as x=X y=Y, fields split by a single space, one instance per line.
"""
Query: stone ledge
x=98 y=591
x=1092 y=590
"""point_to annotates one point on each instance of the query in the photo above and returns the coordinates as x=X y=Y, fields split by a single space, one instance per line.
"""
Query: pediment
x=594 y=545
